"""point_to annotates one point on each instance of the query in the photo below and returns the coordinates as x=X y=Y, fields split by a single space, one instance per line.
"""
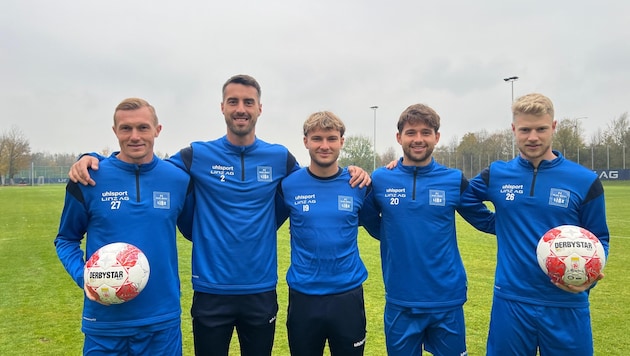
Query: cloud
x=65 y=65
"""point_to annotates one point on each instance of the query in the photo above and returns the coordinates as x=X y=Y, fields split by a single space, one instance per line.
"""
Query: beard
x=418 y=158
x=241 y=130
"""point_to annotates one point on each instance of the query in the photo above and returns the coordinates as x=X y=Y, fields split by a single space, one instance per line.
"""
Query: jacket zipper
x=531 y=192
x=415 y=176
x=242 y=166
x=137 y=184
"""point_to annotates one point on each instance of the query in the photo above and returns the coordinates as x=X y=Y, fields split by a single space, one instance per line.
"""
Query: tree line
x=16 y=156
x=605 y=149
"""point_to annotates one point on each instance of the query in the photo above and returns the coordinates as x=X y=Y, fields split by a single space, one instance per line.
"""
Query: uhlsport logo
x=511 y=191
x=114 y=199
x=305 y=200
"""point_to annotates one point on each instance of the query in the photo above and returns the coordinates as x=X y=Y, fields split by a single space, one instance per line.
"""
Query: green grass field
x=40 y=307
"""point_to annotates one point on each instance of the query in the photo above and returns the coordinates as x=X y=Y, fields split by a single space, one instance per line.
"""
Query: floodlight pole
x=512 y=80
x=374 y=138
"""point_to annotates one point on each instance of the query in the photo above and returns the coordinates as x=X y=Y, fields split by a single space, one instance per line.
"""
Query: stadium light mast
x=512 y=80
x=374 y=138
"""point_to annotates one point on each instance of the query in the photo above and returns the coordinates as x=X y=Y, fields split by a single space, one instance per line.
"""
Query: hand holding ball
x=117 y=272
x=571 y=255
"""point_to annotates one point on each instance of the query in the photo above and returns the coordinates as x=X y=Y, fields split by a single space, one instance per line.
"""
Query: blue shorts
x=407 y=330
x=522 y=329
x=166 y=342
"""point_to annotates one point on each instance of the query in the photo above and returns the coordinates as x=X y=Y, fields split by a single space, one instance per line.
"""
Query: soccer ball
x=570 y=254
x=117 y=272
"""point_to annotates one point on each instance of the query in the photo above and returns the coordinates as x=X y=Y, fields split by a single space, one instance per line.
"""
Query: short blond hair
x=135 y=104
x=533 y=104
x=325 y=120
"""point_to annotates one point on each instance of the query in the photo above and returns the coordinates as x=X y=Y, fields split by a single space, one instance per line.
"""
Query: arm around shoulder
x=79 y=171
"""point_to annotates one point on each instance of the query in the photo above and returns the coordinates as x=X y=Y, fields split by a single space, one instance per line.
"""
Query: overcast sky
x=65 y=65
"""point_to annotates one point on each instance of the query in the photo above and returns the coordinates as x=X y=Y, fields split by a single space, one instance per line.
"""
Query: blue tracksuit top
x=233 y=223
x=422 y=267
x=528 y=203
x=137 y=204
x=324 y=222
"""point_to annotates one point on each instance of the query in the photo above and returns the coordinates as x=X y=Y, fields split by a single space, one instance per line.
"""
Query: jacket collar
x=133 y=167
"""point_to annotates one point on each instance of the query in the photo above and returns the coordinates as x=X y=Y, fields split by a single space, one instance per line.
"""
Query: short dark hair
x=243 y=79
x=419 y=113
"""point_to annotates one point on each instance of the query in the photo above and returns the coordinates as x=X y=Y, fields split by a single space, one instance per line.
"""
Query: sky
x=65 y=65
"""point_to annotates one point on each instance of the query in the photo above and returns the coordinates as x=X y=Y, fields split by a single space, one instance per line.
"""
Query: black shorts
x=338 y=318
x=215 y=317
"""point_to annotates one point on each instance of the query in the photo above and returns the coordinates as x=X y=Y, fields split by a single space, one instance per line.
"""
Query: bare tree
x=568 y=138
x=388 y=156
x=618 y=130
x=15 y=152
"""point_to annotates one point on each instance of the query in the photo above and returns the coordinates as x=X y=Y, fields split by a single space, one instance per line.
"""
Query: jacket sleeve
x=370 y=215
x=292 y=163
x=186 y=217
x=593 y=214
x=183 y=161
x=282 y=212
x=72 y=229
x=93 y=154
x=472 y=207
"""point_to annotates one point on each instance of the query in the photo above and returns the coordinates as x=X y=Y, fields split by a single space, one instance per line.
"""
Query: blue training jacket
x=233 y=223
x=324 y=215
x=422 y=267
x=137 y=204
x=528 y=203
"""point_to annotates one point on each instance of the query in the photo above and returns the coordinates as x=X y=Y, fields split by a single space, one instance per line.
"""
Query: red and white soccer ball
x=570 y=254
x=117 y=272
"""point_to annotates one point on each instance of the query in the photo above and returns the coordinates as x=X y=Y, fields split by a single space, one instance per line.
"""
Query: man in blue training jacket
x=424 y=276
x=326 y=273
x=145 y=196
x=532 y=193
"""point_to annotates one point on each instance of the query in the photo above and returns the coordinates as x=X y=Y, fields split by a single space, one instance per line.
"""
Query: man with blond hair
x=532 y=193
x=149 y=197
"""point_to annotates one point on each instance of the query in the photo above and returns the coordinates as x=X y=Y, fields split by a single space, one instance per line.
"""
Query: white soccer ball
x=570 y=254
x=117 y=272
